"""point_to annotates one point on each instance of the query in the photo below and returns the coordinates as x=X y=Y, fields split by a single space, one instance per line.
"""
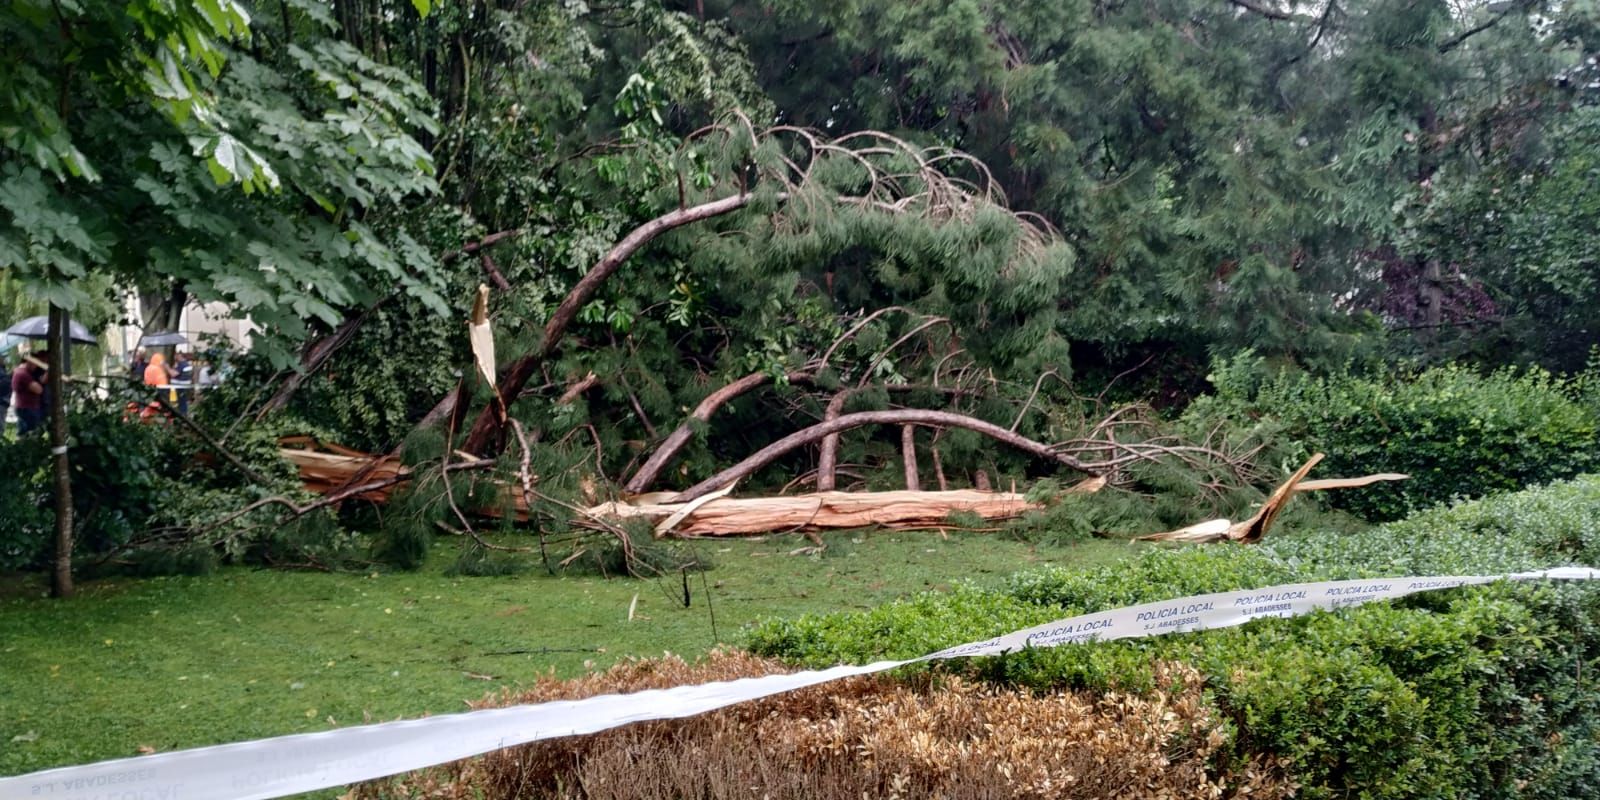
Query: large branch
x=487 y=435
x=771 y=452
x=317 y=355
x=679 y=438
x=1462 y=37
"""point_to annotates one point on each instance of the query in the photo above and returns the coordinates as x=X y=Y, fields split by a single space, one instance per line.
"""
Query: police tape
x=286 y=765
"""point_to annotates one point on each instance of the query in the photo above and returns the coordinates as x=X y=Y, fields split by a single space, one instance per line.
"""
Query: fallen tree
x=727 y=516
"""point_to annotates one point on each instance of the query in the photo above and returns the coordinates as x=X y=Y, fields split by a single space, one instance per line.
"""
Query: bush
x=1455 y=432
x=1472 y=692
x=116 y=473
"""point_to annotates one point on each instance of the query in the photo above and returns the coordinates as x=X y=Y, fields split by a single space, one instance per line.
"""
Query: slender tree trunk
x=828 y=451
x=908 y=454
x=61 y=577
x=1430 y=287
x=947 y=419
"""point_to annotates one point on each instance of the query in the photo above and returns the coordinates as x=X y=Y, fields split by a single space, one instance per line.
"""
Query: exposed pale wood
x=1349 y=483
x=329 y=473
x=743 y=515
x=1251 y=530
x=1212 y=530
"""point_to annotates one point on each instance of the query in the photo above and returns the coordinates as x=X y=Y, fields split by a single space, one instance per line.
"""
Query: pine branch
x=768 y=454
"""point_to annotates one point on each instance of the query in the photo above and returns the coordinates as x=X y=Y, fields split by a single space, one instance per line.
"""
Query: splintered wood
x=728 y=516
x=327 y=468
x=1251 y=530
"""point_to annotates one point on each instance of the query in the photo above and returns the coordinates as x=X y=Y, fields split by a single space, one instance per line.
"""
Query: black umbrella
x=163 y=339
x=39 y=328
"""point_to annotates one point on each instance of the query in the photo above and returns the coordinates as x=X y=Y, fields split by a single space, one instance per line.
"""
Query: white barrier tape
x=286 y=765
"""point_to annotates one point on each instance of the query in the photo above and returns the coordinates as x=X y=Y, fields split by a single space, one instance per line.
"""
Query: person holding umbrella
x=27 y=392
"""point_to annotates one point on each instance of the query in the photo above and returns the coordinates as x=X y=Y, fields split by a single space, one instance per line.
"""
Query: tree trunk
x=678 y=439
x=828 y=451
x=487 y=435
x=768 y=454
x=61 y=577
x=908 y=454
x=1432 y=299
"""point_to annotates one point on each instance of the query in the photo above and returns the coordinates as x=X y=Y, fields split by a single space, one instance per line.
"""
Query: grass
x=169 y=663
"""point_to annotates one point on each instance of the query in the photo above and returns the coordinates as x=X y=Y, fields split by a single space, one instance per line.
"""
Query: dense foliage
x=1014 y=212
x=1456 y=432
x=1472 y=692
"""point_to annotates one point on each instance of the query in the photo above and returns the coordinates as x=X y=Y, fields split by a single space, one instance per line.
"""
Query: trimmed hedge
x=1477 y=692
x=1456 y=432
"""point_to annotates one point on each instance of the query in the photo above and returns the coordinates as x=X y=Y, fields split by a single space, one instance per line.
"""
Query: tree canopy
x=707 y=227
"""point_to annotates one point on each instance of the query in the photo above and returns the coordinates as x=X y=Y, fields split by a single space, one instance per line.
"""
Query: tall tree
x=163 y=144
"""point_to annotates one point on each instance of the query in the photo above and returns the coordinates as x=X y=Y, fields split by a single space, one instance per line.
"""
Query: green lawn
x=180 y=662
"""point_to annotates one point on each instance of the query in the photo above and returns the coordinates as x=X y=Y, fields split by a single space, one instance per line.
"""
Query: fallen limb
x=679 y=438
x=1251 y=530
x=486 y=437
x=828 y=451
x=743 y=515
x=768 y=454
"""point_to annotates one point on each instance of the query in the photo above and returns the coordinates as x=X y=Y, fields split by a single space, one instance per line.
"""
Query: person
x=27 y=392
x=183 y=372
x=140 y=361
x=5 y=397
x=156 y=373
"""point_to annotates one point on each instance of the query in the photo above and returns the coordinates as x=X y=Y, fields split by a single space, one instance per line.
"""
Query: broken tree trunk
x=744 y=515
x=947 y=419
x=1251 y=530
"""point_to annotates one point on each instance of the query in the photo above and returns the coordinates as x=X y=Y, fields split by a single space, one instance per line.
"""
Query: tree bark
x=679 y=438
x=908 y=454
x=768 y=454
x=487 y=435
x=828 y=451
x=61 y=577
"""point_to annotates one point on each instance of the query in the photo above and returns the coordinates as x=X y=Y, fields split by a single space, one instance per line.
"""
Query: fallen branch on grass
x=728 y=516
x=1251 y=530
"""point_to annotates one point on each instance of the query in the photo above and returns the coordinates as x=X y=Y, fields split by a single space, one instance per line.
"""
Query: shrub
x=1455 y=432
x=116 y=475
x=1472 y=692
x=866 y=737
